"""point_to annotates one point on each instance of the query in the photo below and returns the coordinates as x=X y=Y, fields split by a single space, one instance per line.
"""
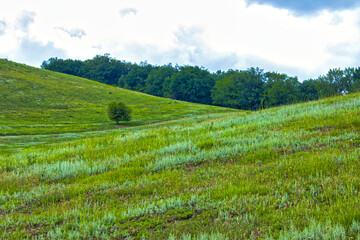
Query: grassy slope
x=35 y=101
x=289 y=172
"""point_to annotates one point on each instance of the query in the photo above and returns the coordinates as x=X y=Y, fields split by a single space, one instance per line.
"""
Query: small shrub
x=119 y=111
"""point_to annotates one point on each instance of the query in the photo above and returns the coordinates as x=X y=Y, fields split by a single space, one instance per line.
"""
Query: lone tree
x=118 y=111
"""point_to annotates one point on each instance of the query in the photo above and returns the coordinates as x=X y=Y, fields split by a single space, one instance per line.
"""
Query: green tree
x=68 y=66
x=154 y=83
x=239 y=89
x=135 y=78
x=191 y=84
x=104 y=69
x=335 y=78
x=309 y=91
x=281 y=89
x=355 y=86
x=351 y=80
x=119 y=111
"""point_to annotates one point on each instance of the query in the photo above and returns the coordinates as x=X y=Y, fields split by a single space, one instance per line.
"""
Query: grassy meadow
x=290 y=172
x=35 y=102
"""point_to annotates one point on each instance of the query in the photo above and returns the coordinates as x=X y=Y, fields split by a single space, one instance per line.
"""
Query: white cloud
x=346 y=53
x=126 y=11
x=189 y=49
x=192 y=44
x=21 y=44
x=3 y=26
x=33 y=52
x=189 y=36
x=25 y=20
x=336 y=19
x=74 y=33
x=269 y=66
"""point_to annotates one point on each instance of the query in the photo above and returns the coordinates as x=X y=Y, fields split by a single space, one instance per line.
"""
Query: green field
x=290 y=172
x=35 y=101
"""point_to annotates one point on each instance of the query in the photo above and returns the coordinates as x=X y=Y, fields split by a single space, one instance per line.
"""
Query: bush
x=119 y=111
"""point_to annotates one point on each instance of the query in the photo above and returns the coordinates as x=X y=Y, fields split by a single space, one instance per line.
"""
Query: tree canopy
x=191 y=84
x=119 y=111
x=239 y=89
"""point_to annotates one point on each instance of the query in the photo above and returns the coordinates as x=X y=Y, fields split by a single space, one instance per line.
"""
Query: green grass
x=35 y=101
x=285 y=173
x=288 y=173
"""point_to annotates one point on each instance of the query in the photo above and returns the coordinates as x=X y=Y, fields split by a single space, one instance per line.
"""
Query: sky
x=303 y=38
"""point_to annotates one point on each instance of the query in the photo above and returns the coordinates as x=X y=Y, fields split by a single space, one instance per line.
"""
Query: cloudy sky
x=303 y=38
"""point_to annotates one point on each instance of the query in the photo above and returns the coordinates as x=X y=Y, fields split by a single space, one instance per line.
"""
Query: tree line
x=249 y=89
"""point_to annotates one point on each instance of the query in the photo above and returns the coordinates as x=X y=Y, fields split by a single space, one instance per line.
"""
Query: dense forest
x=249 y=89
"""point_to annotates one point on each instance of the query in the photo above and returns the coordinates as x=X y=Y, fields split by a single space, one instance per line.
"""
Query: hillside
x=36 y=101
x=284 y=173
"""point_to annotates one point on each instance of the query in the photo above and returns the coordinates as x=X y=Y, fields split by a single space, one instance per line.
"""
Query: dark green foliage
x=119 y=111
x=68 y=66
x=280 y=90
x=309 y=91
x=239 y=89
x=355 y=82
x=135 y=79
x=250 y=89
x=101 y=68
x=154 y=84
x=191 y=84
x=338 y=82
x=105 y=69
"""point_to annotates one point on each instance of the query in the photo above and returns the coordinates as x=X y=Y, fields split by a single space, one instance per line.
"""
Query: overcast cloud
x=276 y=35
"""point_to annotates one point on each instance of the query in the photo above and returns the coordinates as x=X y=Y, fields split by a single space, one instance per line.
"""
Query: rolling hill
x=36 y=101
x=289 y=172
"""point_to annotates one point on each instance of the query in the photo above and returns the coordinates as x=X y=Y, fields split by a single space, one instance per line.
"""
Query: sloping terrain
x=35 y=101
x=284 y=173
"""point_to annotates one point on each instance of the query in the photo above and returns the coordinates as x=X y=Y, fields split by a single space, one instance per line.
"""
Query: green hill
x=284 y=173
x=36 y=101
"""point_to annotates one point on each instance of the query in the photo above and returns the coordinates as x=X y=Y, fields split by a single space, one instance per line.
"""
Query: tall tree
x=68 y=66
x=351 y=80
x=191 y=84
x=309 y=91
x=355 y=87
x=239 y=89
x=154 y=84
x=104 y=69
x=101 y=68
x=280 y=89
x=335 y=78
x=135 y=79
